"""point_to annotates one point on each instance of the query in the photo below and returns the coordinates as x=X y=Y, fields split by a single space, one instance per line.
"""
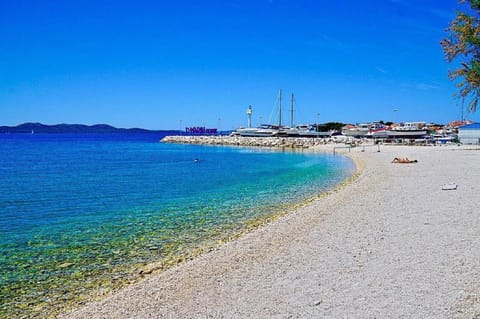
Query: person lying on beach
x=403 y=160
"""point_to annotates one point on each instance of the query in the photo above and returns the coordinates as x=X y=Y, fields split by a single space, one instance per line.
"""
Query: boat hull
x=355 y=132
x=300 y=133
x=406 y=133
x=256 y=132
x=378 y=134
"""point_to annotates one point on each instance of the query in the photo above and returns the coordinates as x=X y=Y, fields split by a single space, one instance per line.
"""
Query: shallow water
x=80 y=212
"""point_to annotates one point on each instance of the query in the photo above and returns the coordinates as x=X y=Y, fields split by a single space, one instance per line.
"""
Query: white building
x=469 y=134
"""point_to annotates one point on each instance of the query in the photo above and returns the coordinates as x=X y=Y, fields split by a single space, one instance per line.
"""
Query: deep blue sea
x=81 y=213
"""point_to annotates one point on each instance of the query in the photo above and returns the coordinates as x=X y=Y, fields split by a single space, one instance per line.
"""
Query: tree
x=463 y=41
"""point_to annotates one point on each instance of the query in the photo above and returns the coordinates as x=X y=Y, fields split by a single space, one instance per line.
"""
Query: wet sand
x=391 y=244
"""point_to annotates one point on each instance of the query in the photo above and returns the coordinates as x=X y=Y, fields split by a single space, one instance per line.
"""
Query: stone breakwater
x=276 y=142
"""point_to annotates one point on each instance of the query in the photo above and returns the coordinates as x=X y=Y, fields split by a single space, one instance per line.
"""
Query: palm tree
x=464 y=42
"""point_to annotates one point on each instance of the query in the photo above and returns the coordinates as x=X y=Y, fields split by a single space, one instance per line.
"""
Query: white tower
x=249 y=114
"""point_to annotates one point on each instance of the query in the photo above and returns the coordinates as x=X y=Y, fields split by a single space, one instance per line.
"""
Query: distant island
x=72 y=128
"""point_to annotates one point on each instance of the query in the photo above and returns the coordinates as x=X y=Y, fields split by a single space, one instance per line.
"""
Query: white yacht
x=408 y=130
x=374 y=129
x=264 y=130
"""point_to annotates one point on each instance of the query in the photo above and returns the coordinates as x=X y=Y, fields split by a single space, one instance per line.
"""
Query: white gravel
x=392 y=244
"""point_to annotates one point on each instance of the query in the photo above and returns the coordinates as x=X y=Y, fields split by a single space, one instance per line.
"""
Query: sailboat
x=301 y=130
x=264 y=130
x=285 y=130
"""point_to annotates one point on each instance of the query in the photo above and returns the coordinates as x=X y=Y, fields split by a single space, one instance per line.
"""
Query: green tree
x=463 y=42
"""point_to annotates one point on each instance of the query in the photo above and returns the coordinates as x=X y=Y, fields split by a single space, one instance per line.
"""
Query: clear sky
x=168 y=64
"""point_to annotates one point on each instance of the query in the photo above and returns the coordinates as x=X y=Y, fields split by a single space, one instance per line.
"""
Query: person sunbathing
x=403 y=160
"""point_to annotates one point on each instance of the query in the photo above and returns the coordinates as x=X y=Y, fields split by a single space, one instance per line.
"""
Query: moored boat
x=306 y=130
x=378 y=133
x=374 y=129
x=264 y=130
x=267 y=130
x=412 y=130
x=358 y=130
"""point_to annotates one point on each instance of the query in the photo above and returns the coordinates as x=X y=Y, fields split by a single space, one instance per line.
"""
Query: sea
x=80 y=214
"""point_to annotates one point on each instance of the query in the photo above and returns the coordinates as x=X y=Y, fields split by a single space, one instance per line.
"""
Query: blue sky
x=170 y=64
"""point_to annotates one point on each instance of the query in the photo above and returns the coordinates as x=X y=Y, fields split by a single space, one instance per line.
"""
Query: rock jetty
x=275 y=142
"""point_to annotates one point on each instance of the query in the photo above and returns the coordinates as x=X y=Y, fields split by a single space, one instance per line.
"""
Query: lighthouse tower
x=249 y=114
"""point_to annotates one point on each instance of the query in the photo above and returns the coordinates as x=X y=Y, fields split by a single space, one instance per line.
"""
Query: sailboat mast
x=291 y=113
x=280 y=109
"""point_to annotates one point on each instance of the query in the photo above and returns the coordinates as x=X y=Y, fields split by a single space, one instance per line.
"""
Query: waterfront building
x=469 y=134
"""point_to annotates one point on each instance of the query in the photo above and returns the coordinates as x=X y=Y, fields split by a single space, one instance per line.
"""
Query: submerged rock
x=148 y=269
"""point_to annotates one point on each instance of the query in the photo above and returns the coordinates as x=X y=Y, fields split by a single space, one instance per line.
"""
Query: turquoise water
x=79 y=213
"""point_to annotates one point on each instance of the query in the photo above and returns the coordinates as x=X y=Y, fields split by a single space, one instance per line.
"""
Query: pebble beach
x=389 y=243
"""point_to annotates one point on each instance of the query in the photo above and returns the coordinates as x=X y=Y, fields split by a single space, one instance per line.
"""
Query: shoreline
x=138 y=272
x=340 y=256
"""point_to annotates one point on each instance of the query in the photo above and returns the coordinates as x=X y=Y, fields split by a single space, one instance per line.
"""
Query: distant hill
x=71 y=128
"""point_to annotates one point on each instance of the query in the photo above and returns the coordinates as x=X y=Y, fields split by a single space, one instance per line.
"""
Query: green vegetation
x=463 y=41
x=329 y=126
